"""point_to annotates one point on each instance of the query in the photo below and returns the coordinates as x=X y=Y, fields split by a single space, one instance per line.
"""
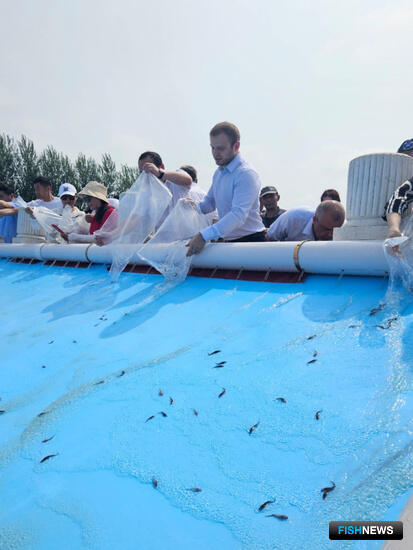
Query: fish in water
x=121 y=374
x=47 y=457
x=253 y=428
x=224 y=391
x=219 y=366
x=195 y=412
x=315 y=353
x=265 y=504
x=51 y=341
x=48 y=439
x=214 y=352
x=311 y=361
x=163 y=414
x=74 y=342
x=311 y=337
x=327 y=490
x=281 y=400
x=2 y=412
x=389 y=323
x=100 y=382
x=278 y=516
x=195 y=489
x=149 y=418
x=171 y=401
x=353 y=326
x=154 y=482
x=160 y=393
x=317 y=414
x=43 y=413
x=43 y=366
x=377 y=309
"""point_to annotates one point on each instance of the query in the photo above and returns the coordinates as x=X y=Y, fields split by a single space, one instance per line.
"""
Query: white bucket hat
x=95 y=189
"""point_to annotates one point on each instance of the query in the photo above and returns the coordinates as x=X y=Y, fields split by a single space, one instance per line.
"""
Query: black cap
x=406 y=146
x=270 y=190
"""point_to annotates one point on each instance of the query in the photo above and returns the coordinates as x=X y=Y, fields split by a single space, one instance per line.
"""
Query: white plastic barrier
x=347 y=257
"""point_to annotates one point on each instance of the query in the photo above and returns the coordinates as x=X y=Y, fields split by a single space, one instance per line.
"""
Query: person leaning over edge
x=234 y=193
x=398 y=203
x=303 y=224
x=269 y=198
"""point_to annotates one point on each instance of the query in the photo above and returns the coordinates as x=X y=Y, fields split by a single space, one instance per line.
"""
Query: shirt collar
x=235 y=162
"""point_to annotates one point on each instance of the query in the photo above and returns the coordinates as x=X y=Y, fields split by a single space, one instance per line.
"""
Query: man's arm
x=179 y=177
x=246 y=191
x=393 y=222
x=278 y=230
x=5 y=204
x=8 y=212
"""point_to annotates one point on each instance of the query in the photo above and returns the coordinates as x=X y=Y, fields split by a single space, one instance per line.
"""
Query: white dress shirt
x=294 y=225
x=234 y=193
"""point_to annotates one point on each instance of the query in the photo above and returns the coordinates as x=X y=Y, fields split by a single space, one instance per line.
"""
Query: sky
x=310 y=84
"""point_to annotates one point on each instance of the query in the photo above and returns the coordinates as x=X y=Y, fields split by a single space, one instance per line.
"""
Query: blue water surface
x=103 y=361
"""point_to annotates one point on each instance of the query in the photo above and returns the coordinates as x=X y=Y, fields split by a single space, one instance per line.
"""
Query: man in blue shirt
x=234 y=193
x=8 y=214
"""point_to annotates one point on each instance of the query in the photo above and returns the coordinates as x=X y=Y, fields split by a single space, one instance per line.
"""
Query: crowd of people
x=239 y=208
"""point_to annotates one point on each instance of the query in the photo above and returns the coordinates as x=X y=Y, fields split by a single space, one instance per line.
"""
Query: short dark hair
x=45 y=182
x=155 y=157
x=331 y=194
x=6 y=189
x=191 y=171
x=228 y=129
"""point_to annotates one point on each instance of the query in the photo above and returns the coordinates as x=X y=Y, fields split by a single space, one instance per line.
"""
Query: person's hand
x=30 y=212
x=195 y=245
x=150 y=168
x=102 y=239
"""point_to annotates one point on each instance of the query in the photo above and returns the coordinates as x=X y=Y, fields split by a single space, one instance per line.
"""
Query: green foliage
x=20 y=165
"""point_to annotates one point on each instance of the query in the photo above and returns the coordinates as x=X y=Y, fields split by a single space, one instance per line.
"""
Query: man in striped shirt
x=398 y=203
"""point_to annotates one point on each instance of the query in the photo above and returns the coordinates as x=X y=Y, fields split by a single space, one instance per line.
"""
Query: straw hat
x=95 y=189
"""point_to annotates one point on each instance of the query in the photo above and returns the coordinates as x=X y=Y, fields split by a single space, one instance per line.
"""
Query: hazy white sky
x=311 y=84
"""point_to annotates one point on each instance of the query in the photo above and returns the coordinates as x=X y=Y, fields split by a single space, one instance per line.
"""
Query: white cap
x=67 y=189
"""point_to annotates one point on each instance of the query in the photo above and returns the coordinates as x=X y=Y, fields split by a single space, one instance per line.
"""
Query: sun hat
x=270 y=190
x=67 y=189
x=95 y=189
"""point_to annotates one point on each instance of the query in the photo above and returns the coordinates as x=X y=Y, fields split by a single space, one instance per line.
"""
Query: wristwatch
x=161 y=173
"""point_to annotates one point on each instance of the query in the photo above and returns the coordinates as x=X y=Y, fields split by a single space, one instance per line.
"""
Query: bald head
x=328 y=215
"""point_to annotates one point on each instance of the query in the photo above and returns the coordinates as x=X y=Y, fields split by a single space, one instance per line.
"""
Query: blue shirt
x=294 y=225
x=235 y=194
x=8 y=226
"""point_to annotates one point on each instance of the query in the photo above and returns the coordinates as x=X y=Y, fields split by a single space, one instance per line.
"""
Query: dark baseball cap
x=270 y=190
x=406 y=146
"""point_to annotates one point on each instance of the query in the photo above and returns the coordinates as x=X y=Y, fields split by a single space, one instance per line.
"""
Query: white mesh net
x=140 y=209
x=183 y=223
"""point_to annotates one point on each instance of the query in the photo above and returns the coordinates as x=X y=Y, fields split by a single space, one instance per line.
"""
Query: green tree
x=108 y=174
x=51 y=167
x=86 y=169
x=127 y=176
x=68 y=170
x=8 y=161
x=28 y=168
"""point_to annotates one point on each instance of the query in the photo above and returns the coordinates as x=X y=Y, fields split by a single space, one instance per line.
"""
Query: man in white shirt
x=234 y=193
x=303 y=224
x=44 y=197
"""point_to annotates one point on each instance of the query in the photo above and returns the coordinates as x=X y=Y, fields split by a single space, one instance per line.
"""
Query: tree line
x=20 y=164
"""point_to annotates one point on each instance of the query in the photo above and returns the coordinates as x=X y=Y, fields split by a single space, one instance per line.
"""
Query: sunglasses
x=67 y=198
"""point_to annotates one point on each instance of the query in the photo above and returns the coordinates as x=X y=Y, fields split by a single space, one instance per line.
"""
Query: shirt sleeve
x=246 y=190
x=400 y=199
x=208 y=202
x=278 y=230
